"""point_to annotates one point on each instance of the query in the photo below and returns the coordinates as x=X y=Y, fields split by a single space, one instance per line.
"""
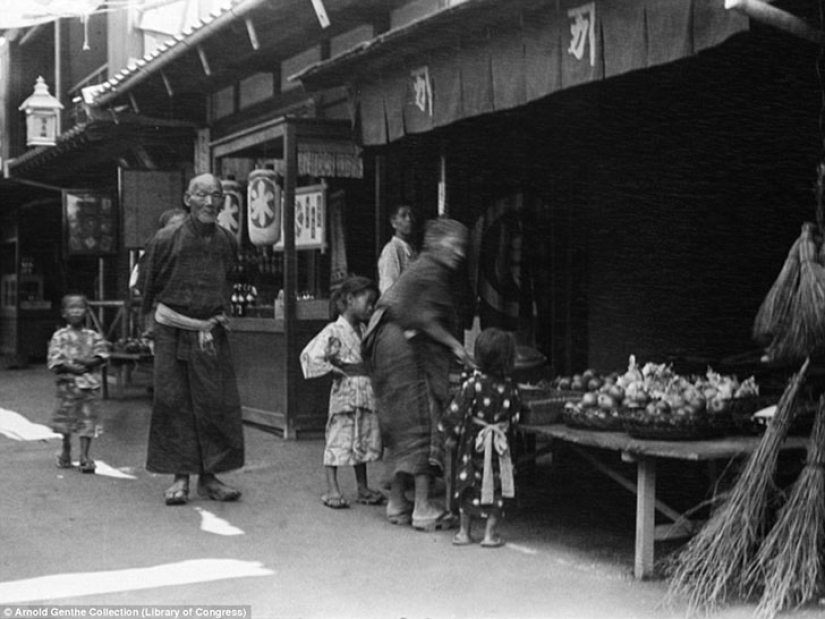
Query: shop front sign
x=89 y=223
x=310 y=218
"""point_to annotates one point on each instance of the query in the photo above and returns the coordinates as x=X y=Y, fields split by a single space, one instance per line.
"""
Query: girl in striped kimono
x=353 y=437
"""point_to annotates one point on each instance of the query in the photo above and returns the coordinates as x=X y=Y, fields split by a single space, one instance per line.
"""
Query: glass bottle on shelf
x=237 y=300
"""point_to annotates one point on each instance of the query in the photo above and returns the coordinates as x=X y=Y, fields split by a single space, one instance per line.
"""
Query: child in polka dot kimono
x=479 y=421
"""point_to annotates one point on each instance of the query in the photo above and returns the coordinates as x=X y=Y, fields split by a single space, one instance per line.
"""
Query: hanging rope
x=84 y=19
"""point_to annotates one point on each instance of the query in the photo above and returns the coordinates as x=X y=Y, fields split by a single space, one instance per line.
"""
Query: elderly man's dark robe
x=196 y=424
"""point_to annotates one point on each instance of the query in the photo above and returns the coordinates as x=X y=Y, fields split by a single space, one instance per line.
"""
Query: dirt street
x=72 y=540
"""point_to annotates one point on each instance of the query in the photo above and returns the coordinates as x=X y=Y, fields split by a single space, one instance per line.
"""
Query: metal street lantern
x=41 y=115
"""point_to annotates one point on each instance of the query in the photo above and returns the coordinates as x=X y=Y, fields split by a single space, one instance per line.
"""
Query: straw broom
x=714 y=564
x=791 y=559
x=774 y=310
x=801 y=332
x=810 y=297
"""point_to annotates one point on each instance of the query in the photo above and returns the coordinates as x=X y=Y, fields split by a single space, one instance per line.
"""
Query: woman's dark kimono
x=410 y=370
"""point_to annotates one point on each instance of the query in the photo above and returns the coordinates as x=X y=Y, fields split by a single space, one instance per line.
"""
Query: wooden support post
x=443 y=207
x=293 y=370
x=645 y=516
x=380 y=206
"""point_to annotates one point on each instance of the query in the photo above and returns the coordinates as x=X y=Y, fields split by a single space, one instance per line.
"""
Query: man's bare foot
x=210 y=487
x=178 y=492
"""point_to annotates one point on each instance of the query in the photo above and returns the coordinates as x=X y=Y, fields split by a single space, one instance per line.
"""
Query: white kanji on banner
x=583 y=31
x=422 y=90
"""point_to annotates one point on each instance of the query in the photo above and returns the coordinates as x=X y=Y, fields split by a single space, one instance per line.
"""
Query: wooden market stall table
x=273 y=392
x=123 y=364
x=645 y=454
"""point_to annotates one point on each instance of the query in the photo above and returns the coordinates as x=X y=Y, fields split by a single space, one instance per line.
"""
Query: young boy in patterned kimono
x=352 y=436
x=75 y=355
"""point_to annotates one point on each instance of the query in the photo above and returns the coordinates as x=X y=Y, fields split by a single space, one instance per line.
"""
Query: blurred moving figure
x=409 y=346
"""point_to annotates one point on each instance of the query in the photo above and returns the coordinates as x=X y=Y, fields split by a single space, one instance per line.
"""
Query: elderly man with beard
x=196 y=426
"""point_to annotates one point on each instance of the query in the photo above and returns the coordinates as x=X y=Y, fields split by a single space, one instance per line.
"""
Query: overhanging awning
x=79 y=152
x=15 y=191
x=485 y=56
x=324 y=147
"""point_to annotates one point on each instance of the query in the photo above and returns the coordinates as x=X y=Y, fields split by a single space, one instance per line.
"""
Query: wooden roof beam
x=167 y=84
x=761 y=11
x=253 y=36
x=204 y=61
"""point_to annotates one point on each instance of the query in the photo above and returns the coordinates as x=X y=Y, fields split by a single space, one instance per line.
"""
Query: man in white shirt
x=398 y=253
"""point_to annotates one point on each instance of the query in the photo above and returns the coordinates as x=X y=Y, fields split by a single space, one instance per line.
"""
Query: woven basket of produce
x=639 y=423
x=720 y=424
x=593 y=418
x=544 y=406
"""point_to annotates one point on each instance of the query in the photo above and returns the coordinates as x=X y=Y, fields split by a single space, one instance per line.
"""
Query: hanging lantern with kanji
x=42 y=111
x=263 y=207
x=231 y=213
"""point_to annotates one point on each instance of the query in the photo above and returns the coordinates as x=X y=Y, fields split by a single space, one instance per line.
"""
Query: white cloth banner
x=14 y=14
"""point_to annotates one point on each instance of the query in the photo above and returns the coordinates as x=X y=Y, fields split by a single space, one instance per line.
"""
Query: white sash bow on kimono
x=493 y=437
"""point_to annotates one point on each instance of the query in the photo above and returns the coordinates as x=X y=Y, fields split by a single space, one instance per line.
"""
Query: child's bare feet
x=64 y=460
x=463 y=537
x=87 y=465
x=492 y=542
x=367 y=496
x=64 y=456
x=491 y=538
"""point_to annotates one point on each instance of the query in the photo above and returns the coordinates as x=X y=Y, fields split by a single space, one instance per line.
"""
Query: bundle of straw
x=714 y=564
x=790 y=561
x=820 y=196
x=803 y=329
x=776 y=307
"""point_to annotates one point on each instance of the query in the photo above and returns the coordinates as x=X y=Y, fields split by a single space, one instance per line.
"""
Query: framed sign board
x=310 y=218
x=90 y=223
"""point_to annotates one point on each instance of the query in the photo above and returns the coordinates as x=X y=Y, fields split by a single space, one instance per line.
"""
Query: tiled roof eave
x=169 y=51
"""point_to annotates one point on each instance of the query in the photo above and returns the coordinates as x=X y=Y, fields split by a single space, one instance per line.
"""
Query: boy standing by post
x=398 y=253
x=75 y=355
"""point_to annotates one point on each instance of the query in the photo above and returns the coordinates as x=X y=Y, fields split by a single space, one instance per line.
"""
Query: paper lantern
x=263 y=207
x=41 y=115
x=231 y=213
